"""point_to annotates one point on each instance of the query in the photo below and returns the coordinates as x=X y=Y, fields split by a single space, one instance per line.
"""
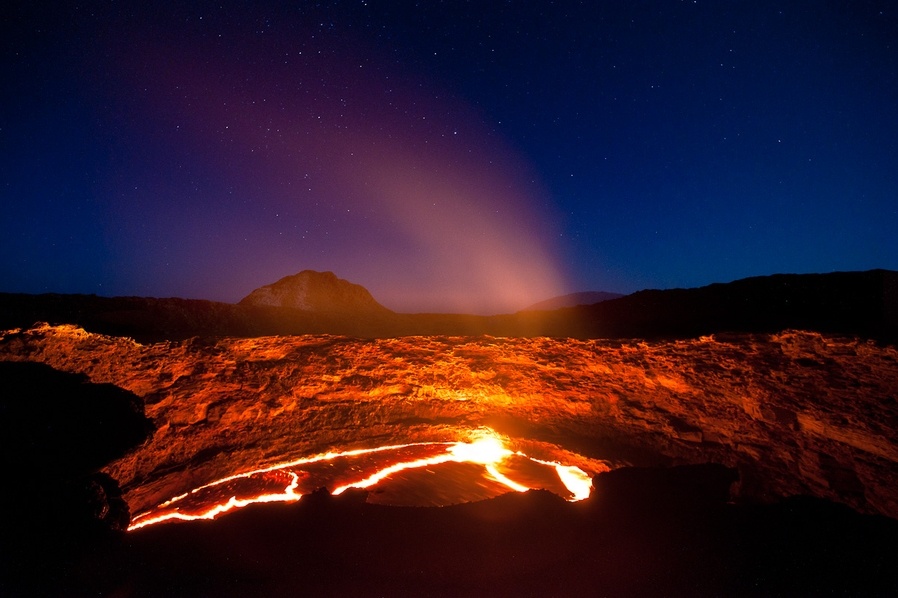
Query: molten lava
x=287 y=482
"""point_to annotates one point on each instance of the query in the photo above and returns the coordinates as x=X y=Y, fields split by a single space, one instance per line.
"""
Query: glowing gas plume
x=287 y=482
x=410 y=176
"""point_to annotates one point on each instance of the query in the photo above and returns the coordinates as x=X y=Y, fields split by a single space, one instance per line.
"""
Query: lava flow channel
x=484 y=468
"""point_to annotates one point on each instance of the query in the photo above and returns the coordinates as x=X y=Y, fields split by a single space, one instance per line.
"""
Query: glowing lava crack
x=287 y=482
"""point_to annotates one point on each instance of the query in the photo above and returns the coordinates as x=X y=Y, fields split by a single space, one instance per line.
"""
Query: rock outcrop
x=59 y=420
x=316 y=292
x=56 y=430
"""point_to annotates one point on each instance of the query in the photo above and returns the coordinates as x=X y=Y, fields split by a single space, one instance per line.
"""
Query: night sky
x=449 y=156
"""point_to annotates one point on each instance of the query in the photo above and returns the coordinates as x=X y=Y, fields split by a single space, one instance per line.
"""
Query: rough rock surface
x=795 y=413
x=315 y=291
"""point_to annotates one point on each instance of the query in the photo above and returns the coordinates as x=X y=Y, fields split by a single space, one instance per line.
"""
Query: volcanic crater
x=446 y=419
x=794 y=412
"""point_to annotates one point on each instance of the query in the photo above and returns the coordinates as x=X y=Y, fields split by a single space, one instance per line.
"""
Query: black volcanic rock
x=56 y=430
x=99 y=499
x=656 y=490
x=53 y=419
x=573 y=300
x=316 y=292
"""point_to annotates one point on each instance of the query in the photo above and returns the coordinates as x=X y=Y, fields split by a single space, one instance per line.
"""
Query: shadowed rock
x=52 y=420
x=56 y=430
x=655 y=490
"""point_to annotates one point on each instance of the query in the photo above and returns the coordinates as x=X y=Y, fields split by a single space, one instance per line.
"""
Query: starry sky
x=449 y=156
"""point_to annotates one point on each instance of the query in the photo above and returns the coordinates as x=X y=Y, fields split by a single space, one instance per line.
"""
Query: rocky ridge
x=857 y=304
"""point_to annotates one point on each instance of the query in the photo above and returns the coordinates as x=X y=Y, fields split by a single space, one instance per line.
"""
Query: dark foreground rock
x=56 y=431
x=59 y=421
x=626 y=540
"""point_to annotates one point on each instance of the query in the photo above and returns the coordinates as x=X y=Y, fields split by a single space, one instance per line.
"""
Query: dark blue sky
x=448 y=156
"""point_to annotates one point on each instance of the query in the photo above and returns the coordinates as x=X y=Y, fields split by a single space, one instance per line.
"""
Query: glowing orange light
x=388 y=471
x=288 y=495
x=575 y=480
x=485 y=449
x=502 y=479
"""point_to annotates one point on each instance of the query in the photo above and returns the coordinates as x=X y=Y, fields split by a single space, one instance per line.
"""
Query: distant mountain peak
x=573 y=300
x=315 y=291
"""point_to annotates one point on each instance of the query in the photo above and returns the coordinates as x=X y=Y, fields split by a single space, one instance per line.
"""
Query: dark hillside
x=855 y=303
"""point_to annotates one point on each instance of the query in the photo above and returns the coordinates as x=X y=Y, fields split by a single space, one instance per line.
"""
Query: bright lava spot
x=576 y=480
x=486 y=451
x=503 y=479
x=288 y=495
x=358 y=468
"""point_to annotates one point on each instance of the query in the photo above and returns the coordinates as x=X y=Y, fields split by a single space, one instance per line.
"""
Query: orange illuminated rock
x=315 y=291
x=795 y=412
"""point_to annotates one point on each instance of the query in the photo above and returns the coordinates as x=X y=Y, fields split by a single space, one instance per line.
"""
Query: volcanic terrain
x=799 y=421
